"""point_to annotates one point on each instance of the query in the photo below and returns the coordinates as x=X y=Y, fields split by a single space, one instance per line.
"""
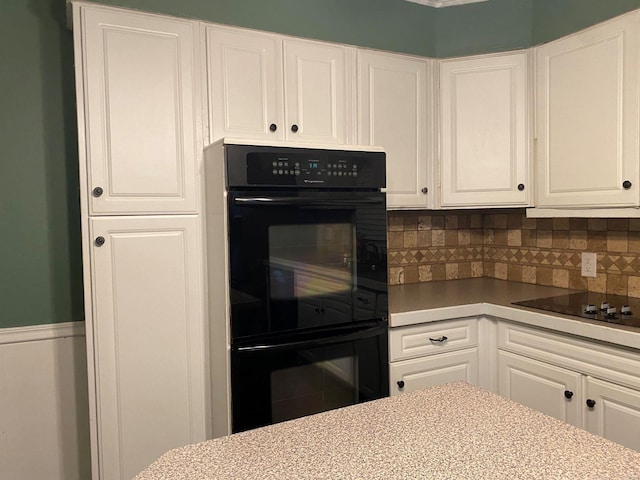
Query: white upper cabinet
x=244 y=84
x=318 y=101
x=588 y=117
x=140 y=112
x=268 y=87
x=484 y=133
x=394 y=101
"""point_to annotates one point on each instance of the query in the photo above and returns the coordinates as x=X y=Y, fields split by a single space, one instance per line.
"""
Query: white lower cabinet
x=146 y=339
x=431 y=354
x=543 y=387
x=615 y=413
x=587 y=384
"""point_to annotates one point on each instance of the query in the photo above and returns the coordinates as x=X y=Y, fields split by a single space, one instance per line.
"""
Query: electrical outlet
x=589 y=264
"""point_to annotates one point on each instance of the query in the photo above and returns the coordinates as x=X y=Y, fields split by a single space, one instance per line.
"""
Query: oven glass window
x=311 y=260
x=313 y=387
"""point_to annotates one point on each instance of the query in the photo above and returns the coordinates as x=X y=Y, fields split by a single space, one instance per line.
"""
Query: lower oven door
x=297 y=375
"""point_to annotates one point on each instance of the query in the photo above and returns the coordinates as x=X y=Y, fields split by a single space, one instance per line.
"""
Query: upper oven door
x=305 y=259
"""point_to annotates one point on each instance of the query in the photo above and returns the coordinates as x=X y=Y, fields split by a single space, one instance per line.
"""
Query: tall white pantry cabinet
x=140 y=142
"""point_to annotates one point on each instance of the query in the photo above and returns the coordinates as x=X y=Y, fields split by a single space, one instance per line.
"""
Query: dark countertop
x=448 y=293
x=448 y=299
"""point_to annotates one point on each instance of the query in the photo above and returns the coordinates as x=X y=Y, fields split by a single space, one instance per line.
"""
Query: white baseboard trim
x=34 y=333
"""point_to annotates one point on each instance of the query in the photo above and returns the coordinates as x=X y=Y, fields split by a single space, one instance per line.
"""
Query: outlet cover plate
x=589 y=264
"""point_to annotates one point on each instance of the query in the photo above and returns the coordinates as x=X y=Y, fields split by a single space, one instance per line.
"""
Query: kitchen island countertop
x=454 y=431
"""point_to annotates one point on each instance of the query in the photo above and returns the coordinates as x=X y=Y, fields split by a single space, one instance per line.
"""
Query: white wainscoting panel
x=44 y=417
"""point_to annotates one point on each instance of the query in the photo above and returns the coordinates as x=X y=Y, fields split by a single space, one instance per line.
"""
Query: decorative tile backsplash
x=426 y=246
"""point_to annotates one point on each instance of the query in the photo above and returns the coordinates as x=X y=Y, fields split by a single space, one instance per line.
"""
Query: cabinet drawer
x=432 y=338
x=618 y=364
x=419 y=373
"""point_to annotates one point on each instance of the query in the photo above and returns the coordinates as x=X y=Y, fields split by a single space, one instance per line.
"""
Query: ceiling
x=444 y=3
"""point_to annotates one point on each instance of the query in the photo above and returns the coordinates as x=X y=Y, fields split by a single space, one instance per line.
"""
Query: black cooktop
x=614 y=309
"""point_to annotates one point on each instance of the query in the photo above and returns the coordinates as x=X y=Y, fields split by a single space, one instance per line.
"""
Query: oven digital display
x=313 y=165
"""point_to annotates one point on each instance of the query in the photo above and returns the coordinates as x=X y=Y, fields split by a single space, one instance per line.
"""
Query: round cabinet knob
x=273 y=127
x=294 y=128
x=100 y=241
x=521 y=186
x=568 y=393
x=626 y=184
x=591 y=403
x=425 y=190
x=97 y=191
x=400 y=383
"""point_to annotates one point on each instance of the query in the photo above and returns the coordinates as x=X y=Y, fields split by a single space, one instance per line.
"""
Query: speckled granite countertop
x=454 y=431
x=443 y=300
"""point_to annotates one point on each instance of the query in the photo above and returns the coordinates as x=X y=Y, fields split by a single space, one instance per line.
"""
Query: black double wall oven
x=308 y=278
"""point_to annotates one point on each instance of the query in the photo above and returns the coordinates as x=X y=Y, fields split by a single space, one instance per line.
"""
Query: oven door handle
x=356 y=334
x=311 y=202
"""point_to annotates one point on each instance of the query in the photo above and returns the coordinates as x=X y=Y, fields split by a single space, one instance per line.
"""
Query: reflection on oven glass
x=313 y=388
x=311 y=260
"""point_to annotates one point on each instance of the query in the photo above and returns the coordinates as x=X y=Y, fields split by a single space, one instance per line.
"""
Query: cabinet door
x=316 y=91
x=588 y=116
x=549 y=389
x=419 y=373
x=244 y=83
x=139 y=111
x=484 y=131
x=394 y=98
x=615 y=414
x=148 y=339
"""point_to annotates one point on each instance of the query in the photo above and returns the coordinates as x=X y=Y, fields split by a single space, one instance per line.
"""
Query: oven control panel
x=296 y=167
x=314 y=168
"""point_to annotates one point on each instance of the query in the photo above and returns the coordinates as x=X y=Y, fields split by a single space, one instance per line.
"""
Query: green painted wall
x=393 y=25
x=553 y=19
x=40 y=264
x=493 y=26
x=40 y=255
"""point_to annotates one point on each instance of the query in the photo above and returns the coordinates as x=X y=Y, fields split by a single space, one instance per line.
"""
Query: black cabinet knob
x=568 y=393
x=294 y=128
x=521 y=186
x=626 y=184
x=591 y=403
x=100 y=241
x=97 y=191
x=273 y=127
x=425 y=190
x=400 y=383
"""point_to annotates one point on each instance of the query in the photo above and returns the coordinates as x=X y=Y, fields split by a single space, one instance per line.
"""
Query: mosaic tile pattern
x=427 y=246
